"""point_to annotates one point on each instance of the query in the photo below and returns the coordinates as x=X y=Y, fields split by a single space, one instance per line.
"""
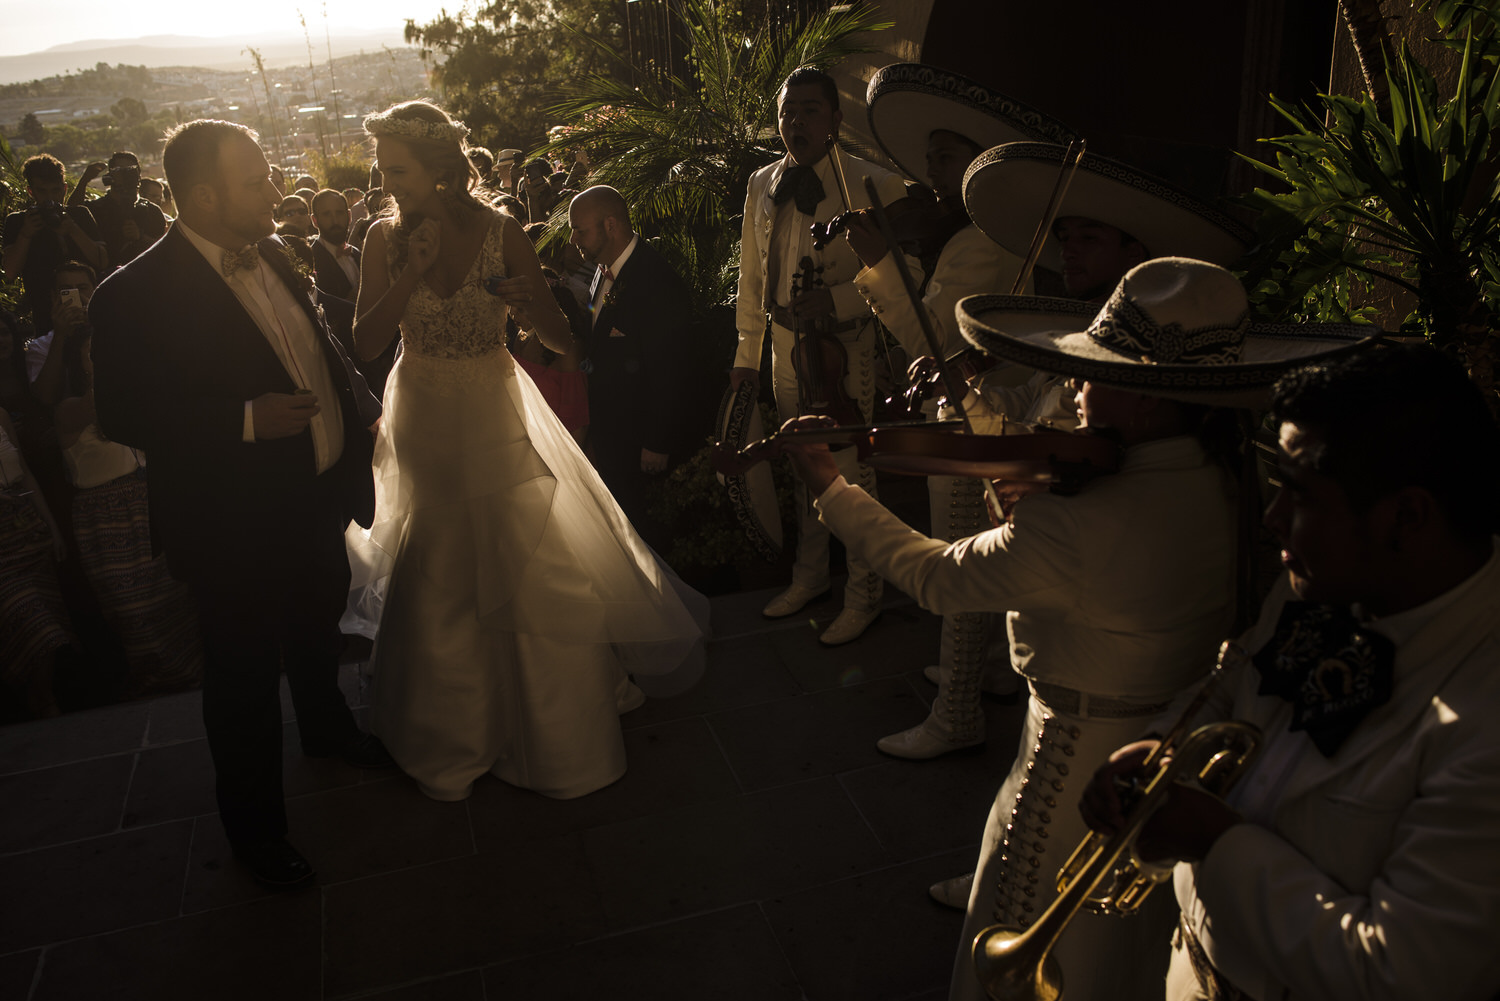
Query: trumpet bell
x=1013 y=966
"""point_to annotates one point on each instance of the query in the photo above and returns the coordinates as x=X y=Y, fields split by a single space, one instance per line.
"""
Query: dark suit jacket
x=331 y=277
x=639 y=359
x=175 y=358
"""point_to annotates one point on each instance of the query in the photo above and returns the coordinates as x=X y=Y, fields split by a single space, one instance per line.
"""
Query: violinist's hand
x=812 y=304
x=814 y=463
x=423 y=245
x=864 y=237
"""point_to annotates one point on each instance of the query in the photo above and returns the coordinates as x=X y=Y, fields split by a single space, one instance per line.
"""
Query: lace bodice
x=468 y=324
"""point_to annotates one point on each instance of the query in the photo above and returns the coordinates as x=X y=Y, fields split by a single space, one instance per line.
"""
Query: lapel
x=214 y=309
x=273 y=252
x=1423 y=666
x=330 y=274
x=767 y=203
x=634 y=270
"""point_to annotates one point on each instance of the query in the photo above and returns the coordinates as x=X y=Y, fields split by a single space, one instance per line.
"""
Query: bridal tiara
x=382 y=124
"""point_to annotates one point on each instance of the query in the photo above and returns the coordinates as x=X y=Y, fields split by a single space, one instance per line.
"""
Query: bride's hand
x=423 y=245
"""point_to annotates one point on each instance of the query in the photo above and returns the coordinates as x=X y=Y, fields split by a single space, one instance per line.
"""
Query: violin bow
x=1059 y=191
x=838 y=171
x=956 y=390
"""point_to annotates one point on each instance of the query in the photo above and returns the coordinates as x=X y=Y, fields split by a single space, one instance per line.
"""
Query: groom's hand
x=281 y=415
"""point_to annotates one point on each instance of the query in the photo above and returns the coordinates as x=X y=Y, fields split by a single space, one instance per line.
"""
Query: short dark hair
x=1396 y=416
x=76 y=265
x=305 y=181
x=42 y=168
x=125 y=157
x=325 y=194
x=191 y=155
x=811 y=74
x=290 y=201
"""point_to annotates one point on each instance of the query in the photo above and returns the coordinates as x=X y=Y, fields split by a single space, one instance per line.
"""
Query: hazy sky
x=33 y=25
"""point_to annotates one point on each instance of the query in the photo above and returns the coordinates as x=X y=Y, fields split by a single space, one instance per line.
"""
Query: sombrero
x=909 y=101
x=1173 y=327
x=1006 y=189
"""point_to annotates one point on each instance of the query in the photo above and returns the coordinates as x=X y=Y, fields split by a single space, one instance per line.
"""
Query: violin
x=820 y=360
x=1037 y=458
x=921 y=227
x=925 y=379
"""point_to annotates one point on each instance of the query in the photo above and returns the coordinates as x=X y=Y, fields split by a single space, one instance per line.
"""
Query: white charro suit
x=1373 y=874
x=970 y=263
x=765 y=260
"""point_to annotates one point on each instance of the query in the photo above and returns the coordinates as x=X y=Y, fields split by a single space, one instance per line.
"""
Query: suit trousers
x=810 y=570
x=274 y=609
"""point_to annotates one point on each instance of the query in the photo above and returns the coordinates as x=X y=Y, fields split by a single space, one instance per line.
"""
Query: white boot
x=956 y=720
x=953 y=892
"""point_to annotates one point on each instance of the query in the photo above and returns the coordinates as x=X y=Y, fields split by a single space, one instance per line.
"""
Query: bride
x=519 y=600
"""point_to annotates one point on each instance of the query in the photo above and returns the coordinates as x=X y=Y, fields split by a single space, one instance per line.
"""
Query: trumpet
x=1105 y=873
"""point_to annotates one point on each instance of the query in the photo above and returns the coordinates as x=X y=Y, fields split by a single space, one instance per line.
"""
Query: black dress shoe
x=275 y=863
x=363 y=750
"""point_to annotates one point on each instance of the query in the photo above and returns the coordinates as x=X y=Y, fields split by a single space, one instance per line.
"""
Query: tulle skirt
x=513 y=597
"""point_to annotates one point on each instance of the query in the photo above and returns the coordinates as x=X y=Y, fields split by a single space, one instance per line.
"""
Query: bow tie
x=1331 y=669
x=606 y=275
x=344 y=251
x=235 y=260
x=801 y=184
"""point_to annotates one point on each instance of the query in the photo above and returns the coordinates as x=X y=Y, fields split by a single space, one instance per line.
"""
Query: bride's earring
x=442 y=187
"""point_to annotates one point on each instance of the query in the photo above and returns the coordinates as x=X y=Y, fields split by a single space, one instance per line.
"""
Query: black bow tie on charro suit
x=1333 y=670
x=802 y=185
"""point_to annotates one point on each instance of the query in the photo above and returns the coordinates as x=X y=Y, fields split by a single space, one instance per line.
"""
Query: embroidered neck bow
x=1331 y=669
x=800 y=184
x=247 y=259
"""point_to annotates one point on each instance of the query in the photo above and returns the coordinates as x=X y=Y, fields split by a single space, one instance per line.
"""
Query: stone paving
x=759 y=848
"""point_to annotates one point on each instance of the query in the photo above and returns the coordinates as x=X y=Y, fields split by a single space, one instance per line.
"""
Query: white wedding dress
x=516 y=595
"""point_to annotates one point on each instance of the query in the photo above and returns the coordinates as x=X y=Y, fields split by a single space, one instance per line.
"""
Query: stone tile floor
x=759 y=848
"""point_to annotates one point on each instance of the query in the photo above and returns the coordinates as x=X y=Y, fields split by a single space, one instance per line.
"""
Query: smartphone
x=71 y=297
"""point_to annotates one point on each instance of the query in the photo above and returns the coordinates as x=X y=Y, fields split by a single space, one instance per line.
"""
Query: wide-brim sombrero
x=1006 y=190
x=907 y=102
x=1085 y=341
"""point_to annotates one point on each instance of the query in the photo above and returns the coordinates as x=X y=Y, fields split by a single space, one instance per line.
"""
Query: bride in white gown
x=518 y=598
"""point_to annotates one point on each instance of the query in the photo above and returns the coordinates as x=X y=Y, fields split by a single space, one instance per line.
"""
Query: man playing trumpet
x=1356 y=858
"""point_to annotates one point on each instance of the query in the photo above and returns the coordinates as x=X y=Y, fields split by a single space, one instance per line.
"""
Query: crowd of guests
x=87 y=615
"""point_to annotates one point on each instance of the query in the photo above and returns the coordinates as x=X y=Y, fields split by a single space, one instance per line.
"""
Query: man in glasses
x=128 y=222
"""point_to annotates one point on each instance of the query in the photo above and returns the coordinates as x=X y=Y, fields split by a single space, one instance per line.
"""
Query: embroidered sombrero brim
x=1051 y=335
x=909 y=101
x=1007 y=189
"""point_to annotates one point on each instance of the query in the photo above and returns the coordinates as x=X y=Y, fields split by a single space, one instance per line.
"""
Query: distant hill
x=281 y=49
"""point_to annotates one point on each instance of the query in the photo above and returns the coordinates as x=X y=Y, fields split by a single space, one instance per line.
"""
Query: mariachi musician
x=1110 y=217
x=933 y=124
x=1117 y=597
x=784 y=199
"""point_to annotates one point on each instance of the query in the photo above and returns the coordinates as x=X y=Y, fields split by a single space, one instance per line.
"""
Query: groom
x=210 y=356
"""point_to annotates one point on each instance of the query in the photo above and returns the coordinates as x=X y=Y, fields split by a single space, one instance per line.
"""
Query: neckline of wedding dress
x=468 y=274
